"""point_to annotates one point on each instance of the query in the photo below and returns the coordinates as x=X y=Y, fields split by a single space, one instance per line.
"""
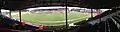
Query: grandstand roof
x=23 y=4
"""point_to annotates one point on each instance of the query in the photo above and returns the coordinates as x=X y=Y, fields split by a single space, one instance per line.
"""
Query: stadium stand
x=112 y=26
x=108 y=21
x=108 y=25
x=103 y=26
x=7 y=24
x=116 y=19
x=105 y=13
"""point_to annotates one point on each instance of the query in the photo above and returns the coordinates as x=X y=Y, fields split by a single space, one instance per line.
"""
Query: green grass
x=52 y=19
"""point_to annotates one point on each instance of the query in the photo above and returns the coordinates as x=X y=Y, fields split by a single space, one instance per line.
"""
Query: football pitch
x=53 y=18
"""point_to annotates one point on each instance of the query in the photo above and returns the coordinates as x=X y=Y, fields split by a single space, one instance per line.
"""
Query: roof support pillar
x=20 y=15
x=66 y=10
x=2 y=3
x=10 y=14
x=84 y=10
x=0 y=11
x=91 y=13
x=66 y=16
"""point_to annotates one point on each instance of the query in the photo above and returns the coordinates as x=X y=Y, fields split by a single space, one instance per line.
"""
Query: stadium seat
x=118 y=13
x=117 y=20
x=118 y=17
x=113 y=27
x=102 y=26
x=103 y=14
x=11 y=25
x=108 y=25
